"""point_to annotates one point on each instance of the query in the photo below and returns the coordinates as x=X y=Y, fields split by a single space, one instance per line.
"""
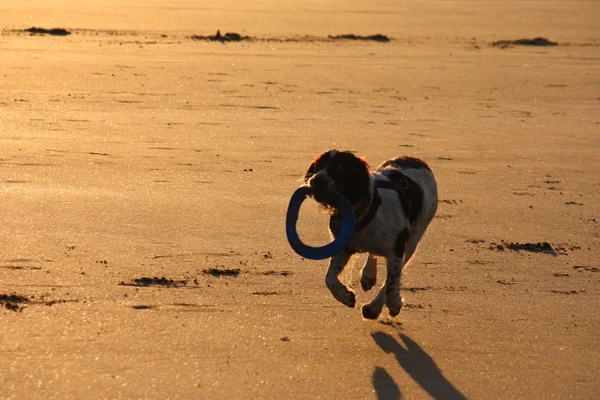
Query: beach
x=146 y=165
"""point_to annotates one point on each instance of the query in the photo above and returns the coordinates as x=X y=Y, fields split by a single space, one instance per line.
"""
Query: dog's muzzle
x=323 y=190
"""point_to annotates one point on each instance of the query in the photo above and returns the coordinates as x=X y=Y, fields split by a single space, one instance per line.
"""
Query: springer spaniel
x=393 y=203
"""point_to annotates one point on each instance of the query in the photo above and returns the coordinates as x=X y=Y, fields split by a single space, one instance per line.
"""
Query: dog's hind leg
x=395 y=264
x=392 y=285
x=374 y=308
x=340 y=291
x=369 y=273
x=411 y=247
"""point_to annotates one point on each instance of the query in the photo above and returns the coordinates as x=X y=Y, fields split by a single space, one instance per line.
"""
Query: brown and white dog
x=393 y=203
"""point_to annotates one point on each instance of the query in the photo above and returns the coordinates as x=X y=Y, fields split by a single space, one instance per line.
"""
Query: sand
x=144 y=178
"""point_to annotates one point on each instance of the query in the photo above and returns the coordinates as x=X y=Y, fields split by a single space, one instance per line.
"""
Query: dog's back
x=408 y=193
x=413 y=177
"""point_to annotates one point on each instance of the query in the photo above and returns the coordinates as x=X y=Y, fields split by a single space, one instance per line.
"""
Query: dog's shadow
x=384 y=385
x=418 y=364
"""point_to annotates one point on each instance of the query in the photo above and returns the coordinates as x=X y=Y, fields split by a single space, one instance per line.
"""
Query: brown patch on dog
x=401 y=241
x=409 y=192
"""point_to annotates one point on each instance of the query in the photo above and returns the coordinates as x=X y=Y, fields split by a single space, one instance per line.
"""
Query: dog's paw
x=367 y=283
x=394 y=308
x=341 y=292
x=350 y=299
x=369 y=313
x=394 y=311
x=345 y=296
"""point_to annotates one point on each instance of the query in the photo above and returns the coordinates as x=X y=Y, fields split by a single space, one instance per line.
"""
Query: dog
x=393 y=203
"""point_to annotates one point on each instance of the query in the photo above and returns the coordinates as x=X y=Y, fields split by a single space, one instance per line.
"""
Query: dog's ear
x=311 y=171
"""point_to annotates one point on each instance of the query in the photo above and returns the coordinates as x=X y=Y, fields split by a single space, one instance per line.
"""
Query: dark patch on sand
x=155 y=281
x=375 y=38
x=264 y=293
x=449 y=201
x=413 y=306
x=475 y=241
x=455 y=288
x=218 y=272
x=507 y=282
x=540 y=247
x=142 y=307
x=585 y=268
x=538 y=41
x=417 y=289
x=50 y=303
x=41 y=31
x=236 y=37
x=21 y=267
x=282 y=273
x=391 y=322
x=476 y=262
x=522 y=194
x=567 y=291
x=13 y=302
x=227 y=37
x=16 y=302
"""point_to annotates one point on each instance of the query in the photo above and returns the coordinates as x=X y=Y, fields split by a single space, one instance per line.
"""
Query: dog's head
x=341 y=172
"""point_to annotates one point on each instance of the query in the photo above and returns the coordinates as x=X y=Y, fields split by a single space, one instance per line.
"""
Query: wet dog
x=393 y=203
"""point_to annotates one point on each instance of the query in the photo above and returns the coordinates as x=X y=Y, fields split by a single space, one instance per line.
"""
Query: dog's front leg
x=340 y=291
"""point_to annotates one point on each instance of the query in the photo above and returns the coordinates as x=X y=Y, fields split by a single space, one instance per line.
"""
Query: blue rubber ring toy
x=329 y=250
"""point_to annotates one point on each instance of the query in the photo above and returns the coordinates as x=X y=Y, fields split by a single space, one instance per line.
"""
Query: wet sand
x=145 y=176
